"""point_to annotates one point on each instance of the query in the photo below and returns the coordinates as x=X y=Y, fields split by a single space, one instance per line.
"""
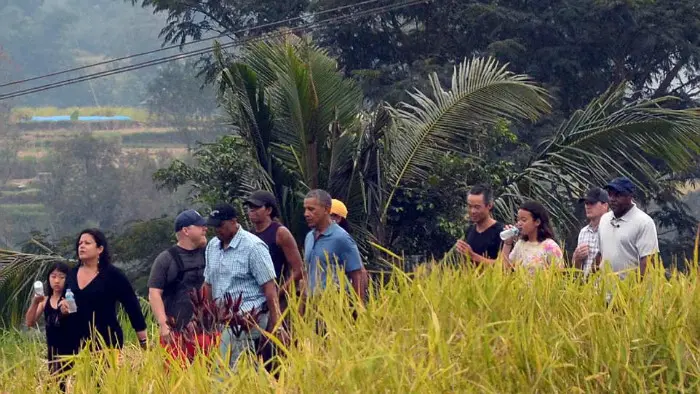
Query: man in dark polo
x=177 y=271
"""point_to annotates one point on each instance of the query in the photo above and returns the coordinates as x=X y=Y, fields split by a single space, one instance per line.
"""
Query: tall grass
x=137 y=114
x=441 y=329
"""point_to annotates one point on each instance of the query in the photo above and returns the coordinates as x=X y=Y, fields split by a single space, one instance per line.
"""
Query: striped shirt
x=241 y=268
x=589 y=235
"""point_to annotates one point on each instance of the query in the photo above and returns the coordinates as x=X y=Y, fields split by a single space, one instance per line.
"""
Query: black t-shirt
x=488 y=243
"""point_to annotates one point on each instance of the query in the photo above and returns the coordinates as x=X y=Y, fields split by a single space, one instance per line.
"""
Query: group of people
x=618 y=233
x=261 y=266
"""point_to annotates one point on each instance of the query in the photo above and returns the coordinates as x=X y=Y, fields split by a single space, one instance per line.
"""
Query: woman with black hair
x=97 y=286
x=535 y=248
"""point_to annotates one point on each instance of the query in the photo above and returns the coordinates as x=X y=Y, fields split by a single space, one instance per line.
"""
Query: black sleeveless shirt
x=269 y=236
x=60 y=338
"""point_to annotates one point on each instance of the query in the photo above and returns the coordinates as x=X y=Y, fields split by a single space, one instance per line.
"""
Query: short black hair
x=482 y=190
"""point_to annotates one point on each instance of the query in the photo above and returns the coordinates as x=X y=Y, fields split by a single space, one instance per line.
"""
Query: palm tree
x=305 y=128
x=303 y=121
x=607 y=137
x=18 y=271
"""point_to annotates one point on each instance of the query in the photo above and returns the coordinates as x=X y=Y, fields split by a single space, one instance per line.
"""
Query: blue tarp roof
x=66 y=118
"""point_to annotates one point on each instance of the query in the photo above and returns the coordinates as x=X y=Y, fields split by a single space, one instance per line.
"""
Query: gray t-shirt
x=176 y=296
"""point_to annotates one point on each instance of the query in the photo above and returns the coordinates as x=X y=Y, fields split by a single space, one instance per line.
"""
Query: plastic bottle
x=70 y=299
x=510 y=233
x=38 y=288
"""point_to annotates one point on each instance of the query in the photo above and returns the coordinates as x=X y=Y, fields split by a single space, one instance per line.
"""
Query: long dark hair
x=539 y=212
x=57 y=266
x=101 y=241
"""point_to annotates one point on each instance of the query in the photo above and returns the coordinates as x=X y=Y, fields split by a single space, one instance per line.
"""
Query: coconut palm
x=305 y=128
x=303 y=121
x=18 y=271
x=607 y=137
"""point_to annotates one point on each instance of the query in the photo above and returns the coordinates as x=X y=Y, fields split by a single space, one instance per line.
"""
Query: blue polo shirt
x=333 y=249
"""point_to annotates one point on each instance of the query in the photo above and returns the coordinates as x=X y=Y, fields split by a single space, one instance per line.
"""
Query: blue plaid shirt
x=242 y=268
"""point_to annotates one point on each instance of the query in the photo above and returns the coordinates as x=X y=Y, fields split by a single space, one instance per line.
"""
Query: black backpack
x=171 y=287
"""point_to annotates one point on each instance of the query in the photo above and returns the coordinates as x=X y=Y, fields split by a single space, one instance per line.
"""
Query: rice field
x=440 y=329
x=138 y=114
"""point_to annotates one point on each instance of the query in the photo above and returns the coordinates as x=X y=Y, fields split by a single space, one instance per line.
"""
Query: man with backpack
x=176 y=271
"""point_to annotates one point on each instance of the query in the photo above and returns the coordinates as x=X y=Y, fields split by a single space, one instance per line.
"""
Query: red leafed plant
x=209 y=318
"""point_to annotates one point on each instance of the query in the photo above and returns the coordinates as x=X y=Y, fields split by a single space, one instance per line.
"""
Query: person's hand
x=282 y=334
x=510 y=241
x=581 y=252
x=63 y=306
x=165 y=333
x=463 y=248
x=38 y=299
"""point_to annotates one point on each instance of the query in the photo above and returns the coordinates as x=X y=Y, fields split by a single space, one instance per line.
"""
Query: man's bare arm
x=357 y=281
x=155 y=298
x=643 y=265
x=272 y=297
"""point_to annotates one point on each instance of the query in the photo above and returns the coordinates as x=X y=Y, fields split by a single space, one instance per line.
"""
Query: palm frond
x=607 y=137
x=18 y=271
x=482 y=93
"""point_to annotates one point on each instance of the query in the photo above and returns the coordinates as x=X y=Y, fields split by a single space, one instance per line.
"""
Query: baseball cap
x=338 y=208
x=621 y=185
x=188 y=218
x=220 y=213
x=595 y=195
x=262 y=198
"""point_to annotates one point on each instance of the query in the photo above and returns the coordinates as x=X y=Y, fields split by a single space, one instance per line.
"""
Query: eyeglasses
x=251 y=208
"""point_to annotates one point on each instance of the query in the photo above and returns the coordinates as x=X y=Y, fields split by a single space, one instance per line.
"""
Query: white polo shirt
x=625 y=240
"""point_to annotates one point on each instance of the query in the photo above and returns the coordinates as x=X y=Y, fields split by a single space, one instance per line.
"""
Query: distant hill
x=40 y=37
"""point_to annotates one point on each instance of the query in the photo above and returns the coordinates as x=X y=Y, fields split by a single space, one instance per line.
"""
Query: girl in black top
x=60 y=340
x=97 y=286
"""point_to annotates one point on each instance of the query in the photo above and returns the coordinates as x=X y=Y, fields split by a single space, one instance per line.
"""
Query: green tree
x=178 y=98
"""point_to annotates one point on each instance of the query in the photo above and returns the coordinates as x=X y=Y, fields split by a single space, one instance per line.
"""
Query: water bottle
x=38 y=288
x=510 y=233
x=70 y=300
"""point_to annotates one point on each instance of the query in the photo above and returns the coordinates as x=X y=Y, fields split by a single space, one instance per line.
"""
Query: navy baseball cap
x=188 y=218
x=595 y=195
x=220 y=213
x=621 y=185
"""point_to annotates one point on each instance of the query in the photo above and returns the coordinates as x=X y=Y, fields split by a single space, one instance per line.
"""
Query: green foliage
x=136 y=246
x=217 y=173
x=176 y=96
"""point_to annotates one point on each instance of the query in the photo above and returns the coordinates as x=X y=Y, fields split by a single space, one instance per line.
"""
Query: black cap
x=262 y=198
x=621 y=185
x=220 y=213
x=188 y=218
x=595 y=195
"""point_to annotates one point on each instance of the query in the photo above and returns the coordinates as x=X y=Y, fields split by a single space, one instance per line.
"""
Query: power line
x=248 y=30
x=313 y=25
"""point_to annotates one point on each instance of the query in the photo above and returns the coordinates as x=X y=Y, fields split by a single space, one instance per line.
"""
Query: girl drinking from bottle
x=533 y=246
x=60 y=340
